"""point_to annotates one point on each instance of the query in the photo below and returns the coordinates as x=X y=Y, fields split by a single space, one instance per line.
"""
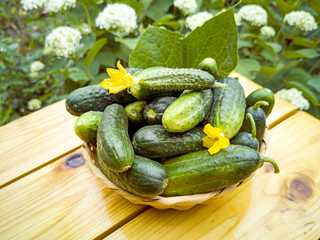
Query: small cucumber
x=209 y=65
x=134 y=112
x=187 y=111
x=145 y=178
x=86 y=126
x=89 y=98
x=200 y=172
x=259 y=119
x=155 y=142
x=245 y=138
x=261 y=94
x=154 y=110
x=113 y=142
x=228 y=108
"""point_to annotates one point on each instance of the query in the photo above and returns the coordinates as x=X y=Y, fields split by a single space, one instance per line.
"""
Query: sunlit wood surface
x=48 y=193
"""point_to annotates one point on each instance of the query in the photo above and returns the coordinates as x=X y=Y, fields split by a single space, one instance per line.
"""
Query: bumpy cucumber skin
x=260 y=120
x=200 y=172
x=261 y=94
x=174 y=79
x=187 y=111
x=145 y=94
x=154 y=110
x=155 y=142
x=134 y=112
x=113 y=142
x=89 y=98
x=228 y=108
x=145 y=178
x=86 y=126
x=123 y=97
x=245 y=139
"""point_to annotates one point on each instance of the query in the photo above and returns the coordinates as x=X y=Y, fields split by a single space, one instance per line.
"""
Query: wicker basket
x=159 y=202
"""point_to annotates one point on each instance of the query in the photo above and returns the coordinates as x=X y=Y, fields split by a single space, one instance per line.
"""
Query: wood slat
x=270 y=206
x=35 y=140
x=62 y=202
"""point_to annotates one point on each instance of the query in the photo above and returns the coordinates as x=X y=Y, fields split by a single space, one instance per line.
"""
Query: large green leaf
x=216 y=38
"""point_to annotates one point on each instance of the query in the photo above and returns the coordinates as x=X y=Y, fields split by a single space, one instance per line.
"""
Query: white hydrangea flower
x=57 y=5
x=267 y=31
x=237 y=19
x=34 y=104
x=32 y=4
x=84 y=28
x=301 y=19
x=186 y=6
x=36 y=66
x=254 y=14
x=63 y=41
x=119 y=17
x=295 y=97
x=197 y=20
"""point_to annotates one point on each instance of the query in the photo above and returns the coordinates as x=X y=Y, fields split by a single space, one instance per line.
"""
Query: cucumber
x=145 y=94
x=187 y=111
x=134 y=112
x=261 y=94
x=259 y=119
x=228 y=108
x=154 y=110
x=155 y=142
x=200 y=172
x=123 y=97
x=145 y=178
x=245 y=138
x=89 y=98
x=174 y=79
x=209 y=65
x=86 y=126
x=113 y=142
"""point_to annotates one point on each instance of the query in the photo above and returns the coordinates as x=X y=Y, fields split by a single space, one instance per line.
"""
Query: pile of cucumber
x=149 y=139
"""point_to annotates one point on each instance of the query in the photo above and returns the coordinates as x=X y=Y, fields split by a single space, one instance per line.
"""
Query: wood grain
x=283 y=206
x=62 y=202
x=34 y=140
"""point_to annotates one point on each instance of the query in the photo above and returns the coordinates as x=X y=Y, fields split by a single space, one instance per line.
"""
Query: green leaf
x=301 y=53
x=158 y=9
x=216 y=38
x=79 y=77
x=245 y=43
x=131 y=43
x=312 y=97
x=275 y=47
x=268 y=71
x=248 y=67
x=314 y=83
x=106 y=58
x=93 y=51
x=268 y=55
x=99 y=78
x=299 y=41
x=297 y=75
x=137 y=6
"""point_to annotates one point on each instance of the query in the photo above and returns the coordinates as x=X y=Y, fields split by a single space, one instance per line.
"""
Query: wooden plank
x=281 y=110
x=270 y=206
x=35 y=140
x=62 y=202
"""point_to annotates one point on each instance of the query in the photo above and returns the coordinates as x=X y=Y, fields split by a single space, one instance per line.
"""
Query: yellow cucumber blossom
x=119 y=80
x=214 y=140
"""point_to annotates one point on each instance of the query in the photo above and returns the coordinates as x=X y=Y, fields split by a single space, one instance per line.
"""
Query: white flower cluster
x=32 y=4
x=84 y=28
x=34 y=104
x=197 y=20
x=36 y=66
x=50 y=5
x=119 y=17
x=301 y=19
x=237 y=19
x=295 y=97
x=186 y=6
x=254 y=14
x=63 y=41
x=267 y=31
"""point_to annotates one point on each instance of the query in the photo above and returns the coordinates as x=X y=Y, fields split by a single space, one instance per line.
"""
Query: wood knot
x=299 y=189
x=75 y=160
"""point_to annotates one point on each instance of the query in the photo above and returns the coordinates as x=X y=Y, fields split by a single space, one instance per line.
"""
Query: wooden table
x=47 y=192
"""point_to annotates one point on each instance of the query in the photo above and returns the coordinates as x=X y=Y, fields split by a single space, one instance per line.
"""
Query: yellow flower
x=214 y=140
x=119 y=80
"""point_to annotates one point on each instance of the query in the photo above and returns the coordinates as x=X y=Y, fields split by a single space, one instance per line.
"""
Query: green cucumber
x=245 y=138
x=259 y=119
x=200 y=172
x=89 y=98
x=146 y=94
x=187 y=111
x=228 y=108
x=146 y=178
x=113 y=142
x=155 y=142
x=86 y=126
x=261 y=94
x=209 y=65
x=123 y=97
x=154 y=110
x=134 y=112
